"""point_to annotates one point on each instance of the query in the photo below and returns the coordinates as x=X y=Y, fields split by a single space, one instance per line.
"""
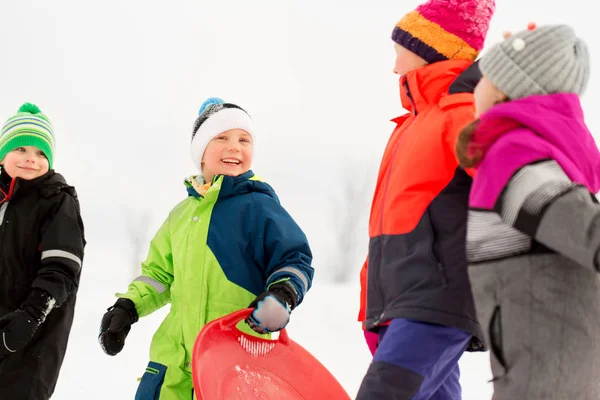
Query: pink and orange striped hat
x=445 y=29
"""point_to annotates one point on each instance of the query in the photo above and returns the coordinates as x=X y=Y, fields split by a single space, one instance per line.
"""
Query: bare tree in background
x=137 y=225
x=350 y=212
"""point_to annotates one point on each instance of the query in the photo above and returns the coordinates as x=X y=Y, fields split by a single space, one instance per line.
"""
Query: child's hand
x=18 y=328
x=372 y=340
x=115 y=326
x=272 y=308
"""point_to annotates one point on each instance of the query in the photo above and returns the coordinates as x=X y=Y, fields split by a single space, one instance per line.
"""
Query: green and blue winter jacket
x=214 y=254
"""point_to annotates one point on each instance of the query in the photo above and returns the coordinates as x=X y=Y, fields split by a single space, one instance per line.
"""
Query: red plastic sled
x=231 y=365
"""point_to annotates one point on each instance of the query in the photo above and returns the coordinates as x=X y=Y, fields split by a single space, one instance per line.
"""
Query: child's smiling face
x=228 y=153
x=25 y=162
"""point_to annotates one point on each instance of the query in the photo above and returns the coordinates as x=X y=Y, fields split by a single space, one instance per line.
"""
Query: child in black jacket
x=41 y=252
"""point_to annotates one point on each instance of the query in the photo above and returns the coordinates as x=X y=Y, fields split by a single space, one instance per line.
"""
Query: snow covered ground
x=324 y=324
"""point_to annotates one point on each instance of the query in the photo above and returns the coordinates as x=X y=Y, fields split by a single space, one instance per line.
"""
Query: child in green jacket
x=228 y=245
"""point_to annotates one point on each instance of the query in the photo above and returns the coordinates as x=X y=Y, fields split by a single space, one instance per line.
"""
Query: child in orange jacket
x=418 y=296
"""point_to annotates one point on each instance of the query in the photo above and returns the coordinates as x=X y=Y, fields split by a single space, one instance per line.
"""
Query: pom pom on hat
x=208 y=102
x=29 y=108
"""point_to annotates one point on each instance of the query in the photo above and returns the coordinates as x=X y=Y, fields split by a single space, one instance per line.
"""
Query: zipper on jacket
x=410 y=98
x=383 y=200
x=4 y=209
x=200 y=211
x=8 y=196
x=388 y=175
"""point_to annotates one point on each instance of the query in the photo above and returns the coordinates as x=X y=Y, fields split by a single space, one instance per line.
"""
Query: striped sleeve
x=152 y=289
x=541 y=201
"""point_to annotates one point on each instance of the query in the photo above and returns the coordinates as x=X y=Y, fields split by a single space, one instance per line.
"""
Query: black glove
x=272 y=308
x=18 y=328
x=115 y=326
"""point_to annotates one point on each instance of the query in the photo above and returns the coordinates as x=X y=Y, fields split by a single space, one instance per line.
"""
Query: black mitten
x=116 y=324
x=18 y=328
x=272 y=308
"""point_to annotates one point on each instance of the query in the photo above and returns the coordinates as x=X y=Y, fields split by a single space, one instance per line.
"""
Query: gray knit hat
x=547 y=59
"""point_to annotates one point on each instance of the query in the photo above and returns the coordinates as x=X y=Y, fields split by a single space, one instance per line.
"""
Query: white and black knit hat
x=547 y=59
x=215 y=117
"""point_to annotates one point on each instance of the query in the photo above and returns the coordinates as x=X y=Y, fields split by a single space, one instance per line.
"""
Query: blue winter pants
x=415 y=361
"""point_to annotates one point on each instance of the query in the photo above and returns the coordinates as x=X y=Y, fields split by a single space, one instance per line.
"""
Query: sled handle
x=231 y=320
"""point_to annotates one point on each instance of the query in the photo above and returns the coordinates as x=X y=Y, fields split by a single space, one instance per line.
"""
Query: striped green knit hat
x=28 y=127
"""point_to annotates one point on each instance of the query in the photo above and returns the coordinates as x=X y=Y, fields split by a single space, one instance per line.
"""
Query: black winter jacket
x=41 y=246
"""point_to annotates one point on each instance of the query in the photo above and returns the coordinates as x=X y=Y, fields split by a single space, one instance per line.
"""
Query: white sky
x=122 y=82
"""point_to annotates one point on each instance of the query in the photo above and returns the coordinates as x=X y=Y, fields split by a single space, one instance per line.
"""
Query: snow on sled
x=229 y=364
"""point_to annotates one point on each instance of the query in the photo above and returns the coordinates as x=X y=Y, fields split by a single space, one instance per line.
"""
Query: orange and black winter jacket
x=417 y=267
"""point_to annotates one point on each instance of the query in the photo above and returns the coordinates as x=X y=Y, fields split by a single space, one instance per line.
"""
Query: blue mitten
x=272 y=308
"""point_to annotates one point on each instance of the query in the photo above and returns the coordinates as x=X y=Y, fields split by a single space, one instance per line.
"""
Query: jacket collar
x=424 y=86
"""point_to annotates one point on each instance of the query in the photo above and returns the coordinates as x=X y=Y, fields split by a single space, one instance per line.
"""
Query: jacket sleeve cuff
x=39 y=303
x=286 y=292
x=128 y=306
